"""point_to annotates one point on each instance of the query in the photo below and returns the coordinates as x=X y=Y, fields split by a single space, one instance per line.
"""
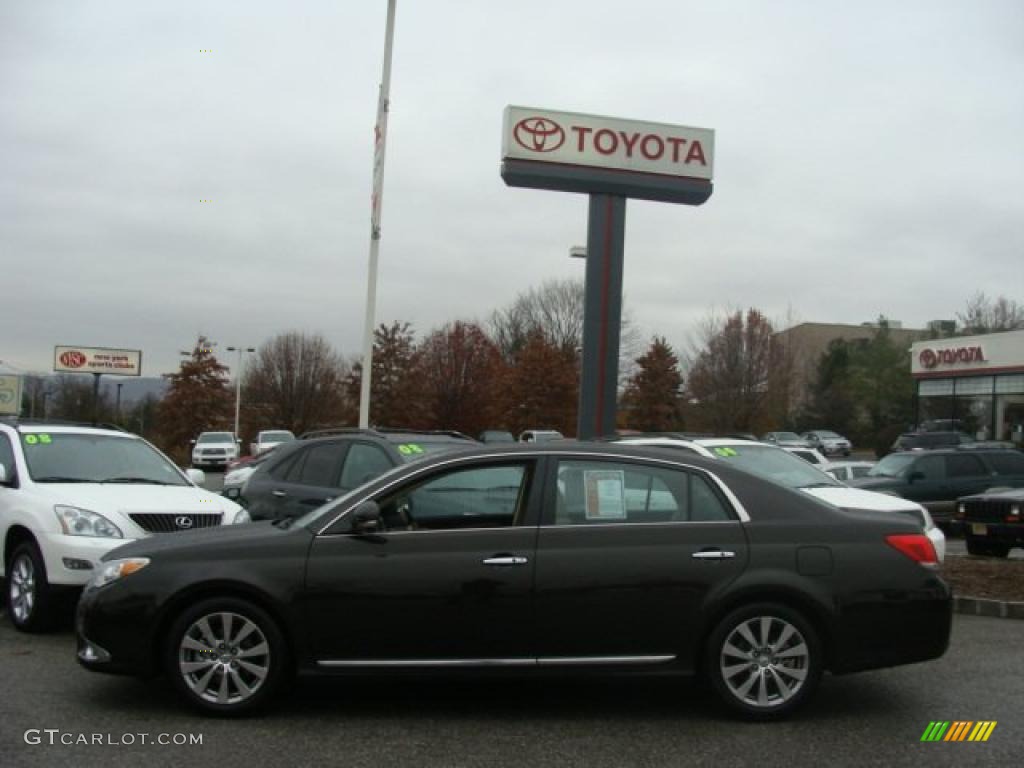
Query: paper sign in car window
x=605 y=493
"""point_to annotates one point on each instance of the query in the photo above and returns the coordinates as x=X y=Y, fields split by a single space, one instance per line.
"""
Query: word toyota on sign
x=590 y=140
x=930 y=358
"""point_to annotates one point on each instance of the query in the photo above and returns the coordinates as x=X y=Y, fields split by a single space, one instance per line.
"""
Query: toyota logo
x=928 y=358
x=183 y=521
x=539 y=134
x=72 y=358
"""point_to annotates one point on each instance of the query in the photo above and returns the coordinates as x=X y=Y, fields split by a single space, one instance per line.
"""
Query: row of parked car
x=397 y=549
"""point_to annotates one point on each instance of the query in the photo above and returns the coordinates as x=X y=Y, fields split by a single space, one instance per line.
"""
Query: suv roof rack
x=19 y=421
x=381 y=432
x=673 y=435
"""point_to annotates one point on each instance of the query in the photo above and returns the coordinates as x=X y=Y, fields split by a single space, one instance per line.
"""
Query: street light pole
x=238 y=384
x=380 y=140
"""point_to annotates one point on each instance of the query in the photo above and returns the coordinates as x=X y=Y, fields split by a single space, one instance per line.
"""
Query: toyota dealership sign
x=607 y=142
x=118 y=362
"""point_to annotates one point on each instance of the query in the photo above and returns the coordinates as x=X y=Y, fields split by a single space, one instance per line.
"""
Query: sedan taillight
x=916 y=546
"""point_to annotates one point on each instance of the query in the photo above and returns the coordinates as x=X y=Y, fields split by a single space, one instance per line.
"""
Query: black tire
x=212 y=677
x=980 y=547
x=32 y=604
x=763 y=680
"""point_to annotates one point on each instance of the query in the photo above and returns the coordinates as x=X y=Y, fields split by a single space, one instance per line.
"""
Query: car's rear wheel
x=226 y=656
x=31 y=601
x=764 y=660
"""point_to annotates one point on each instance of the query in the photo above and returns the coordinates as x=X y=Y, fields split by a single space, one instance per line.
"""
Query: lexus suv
x=70 y=494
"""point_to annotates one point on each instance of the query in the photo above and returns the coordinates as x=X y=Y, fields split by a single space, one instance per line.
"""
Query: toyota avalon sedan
x=533 y=559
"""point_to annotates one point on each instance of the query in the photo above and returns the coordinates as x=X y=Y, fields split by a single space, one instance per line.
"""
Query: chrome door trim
x=547 y=661
x=510 y=560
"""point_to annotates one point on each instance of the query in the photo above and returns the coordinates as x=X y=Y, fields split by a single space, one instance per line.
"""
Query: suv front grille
x=171 y=522
x=988 y=510
x=214 y=452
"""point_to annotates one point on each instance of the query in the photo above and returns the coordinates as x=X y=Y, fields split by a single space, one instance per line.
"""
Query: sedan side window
x=480 y=497
x=591 y=492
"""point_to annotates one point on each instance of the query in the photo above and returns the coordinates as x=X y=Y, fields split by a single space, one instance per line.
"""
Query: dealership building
x=977 y=380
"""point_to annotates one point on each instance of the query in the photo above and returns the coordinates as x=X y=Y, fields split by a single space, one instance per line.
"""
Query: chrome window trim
x=738 y=508
x=544 y=661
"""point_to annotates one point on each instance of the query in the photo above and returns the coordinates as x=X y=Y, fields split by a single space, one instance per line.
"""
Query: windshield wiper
x=138 y=480
x=820 y=485
x=59 y=479
x=283 y=522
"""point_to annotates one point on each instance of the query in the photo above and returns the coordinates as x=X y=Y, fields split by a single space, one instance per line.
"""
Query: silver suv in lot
x=70 y=494
x=214 y=449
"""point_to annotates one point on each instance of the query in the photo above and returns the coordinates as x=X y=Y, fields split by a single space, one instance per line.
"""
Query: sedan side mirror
x=366 y=518
x=196 y=476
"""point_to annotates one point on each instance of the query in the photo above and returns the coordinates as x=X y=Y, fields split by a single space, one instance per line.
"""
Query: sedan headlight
x=82 y=522
x=116 y=569
x=241 y=516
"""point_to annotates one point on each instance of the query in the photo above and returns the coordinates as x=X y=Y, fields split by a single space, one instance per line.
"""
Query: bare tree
x=731 y=376
x=555 y=310
x=985 y=315
x=296 y=383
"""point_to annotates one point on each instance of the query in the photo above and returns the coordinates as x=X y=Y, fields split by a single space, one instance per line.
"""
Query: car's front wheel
x=226 y=656
x=976 y=546
x=764 y=660
x=31 y=601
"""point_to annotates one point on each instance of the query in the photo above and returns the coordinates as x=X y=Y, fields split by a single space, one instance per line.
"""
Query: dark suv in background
x=322 y=465
x=926 y=441
x=937 y=478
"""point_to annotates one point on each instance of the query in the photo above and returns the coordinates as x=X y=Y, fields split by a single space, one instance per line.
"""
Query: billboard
x=117 y=362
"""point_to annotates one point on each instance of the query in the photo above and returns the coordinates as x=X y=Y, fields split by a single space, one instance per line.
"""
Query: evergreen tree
x=651 y=399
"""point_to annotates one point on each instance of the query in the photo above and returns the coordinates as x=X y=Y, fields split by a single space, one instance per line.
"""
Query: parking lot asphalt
x=874 y=718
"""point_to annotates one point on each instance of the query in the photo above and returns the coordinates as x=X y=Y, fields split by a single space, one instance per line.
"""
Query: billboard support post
x=602 y=316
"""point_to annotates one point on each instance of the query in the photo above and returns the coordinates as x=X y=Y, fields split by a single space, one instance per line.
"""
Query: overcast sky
x=869 y=159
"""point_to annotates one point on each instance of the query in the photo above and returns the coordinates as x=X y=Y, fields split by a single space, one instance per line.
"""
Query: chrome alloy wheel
x=764 y=661
x=22 y=588
x=224 y=658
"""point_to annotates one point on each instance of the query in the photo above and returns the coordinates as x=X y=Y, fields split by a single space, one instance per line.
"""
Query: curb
x=980 y=606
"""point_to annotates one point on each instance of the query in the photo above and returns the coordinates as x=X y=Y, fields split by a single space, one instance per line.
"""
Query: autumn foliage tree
x=396 y=390
x=297 y=382
x=459 y=369
x=197 y=399
x=542 y=388
x=651 y=400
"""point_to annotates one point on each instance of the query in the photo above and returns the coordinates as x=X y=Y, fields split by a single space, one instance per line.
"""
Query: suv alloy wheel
x=30 y=599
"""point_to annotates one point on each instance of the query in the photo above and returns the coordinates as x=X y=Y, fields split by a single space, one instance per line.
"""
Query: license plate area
x=979 y=529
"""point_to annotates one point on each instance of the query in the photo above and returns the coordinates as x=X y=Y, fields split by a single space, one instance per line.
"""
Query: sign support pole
x=602 y=316
x=96 y=398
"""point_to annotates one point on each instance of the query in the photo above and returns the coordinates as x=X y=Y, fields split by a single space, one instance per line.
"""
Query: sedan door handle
x=713 y=554
x=505 y=560
x=278 y=494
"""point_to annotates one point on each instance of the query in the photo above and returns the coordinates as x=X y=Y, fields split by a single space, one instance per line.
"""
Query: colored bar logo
x=959 y=730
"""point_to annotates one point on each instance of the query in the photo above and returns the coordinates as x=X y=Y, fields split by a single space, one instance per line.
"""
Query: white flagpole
x=380 y=140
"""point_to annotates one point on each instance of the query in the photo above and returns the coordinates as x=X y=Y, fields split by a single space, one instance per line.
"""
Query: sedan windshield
x=773 y=464
x=276 y=437
x=892 y=465
x=823 y=433
x=216 y=437
x=88 y=458
x=786 y=436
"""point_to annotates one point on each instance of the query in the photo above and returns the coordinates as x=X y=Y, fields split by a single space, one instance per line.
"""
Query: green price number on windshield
x=409 y=449
x=38 y=440
x=726 y=452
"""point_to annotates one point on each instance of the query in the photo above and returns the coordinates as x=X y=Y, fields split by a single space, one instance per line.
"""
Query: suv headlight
x=241 y=516
x=82 y=522
x=116 y=569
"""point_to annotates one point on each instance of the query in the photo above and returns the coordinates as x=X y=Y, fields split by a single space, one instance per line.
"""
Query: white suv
x=70 y=494
x=780 y=465
x=214 y=449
